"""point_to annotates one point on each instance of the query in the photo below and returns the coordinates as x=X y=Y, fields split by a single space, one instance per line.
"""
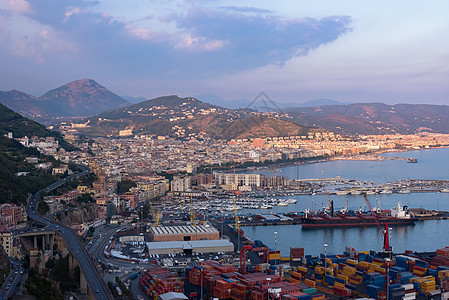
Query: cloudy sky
x=294 y=50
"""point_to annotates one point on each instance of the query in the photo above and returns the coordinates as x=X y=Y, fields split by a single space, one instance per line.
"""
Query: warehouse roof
x=184 y=229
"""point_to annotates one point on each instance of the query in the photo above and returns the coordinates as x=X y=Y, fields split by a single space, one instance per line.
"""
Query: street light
x=325 y=256
x=275 y=253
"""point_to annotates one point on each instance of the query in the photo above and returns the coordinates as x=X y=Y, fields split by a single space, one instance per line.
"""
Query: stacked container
x=424 y=285
x=160 y=281
x=274 y=257
x=296 y=254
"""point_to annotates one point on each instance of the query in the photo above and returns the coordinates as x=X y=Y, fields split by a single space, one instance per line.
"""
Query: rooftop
x=184 y=229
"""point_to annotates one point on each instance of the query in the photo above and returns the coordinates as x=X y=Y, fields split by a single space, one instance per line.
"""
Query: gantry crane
x=329 y=206
x=344 y=210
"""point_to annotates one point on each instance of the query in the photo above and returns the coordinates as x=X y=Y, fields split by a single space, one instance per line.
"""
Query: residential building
x=6 y=241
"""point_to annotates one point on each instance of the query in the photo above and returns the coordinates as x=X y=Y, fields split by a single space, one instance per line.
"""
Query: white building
x=239 y=179
x=180 y=184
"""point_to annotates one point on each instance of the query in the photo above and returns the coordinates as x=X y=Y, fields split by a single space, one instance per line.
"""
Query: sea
x=424 y=236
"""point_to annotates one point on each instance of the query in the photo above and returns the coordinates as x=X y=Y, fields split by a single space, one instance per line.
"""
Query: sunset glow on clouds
x=293 y=50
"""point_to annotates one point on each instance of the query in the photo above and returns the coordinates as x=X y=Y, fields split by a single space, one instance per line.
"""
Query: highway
x=13 y=281
x=72 y=241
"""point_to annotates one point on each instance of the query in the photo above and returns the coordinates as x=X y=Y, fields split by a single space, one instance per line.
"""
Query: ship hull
x=317 y=222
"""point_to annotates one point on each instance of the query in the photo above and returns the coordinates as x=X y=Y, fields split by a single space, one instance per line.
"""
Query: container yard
x=350 y=275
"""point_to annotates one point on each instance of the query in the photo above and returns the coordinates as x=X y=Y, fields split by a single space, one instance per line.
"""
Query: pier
x=367 y=157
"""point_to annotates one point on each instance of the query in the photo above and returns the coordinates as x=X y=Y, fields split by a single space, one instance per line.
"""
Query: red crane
x=387 y=247
x=373 y=213
x=248 y=248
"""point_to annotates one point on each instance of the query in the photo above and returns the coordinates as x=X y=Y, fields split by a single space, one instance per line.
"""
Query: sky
x=293 y=50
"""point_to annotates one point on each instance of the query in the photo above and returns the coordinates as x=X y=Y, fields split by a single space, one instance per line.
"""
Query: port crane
x=158 y=216
x=248 y=248
x=344 y=210
x=329 y=206
x=373 y=212
x=362 y=207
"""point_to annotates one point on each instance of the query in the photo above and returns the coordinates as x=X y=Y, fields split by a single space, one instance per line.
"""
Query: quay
x=375 y=158
x=271 y=223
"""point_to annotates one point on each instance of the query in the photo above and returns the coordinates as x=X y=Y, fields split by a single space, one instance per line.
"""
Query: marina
x=422 y=187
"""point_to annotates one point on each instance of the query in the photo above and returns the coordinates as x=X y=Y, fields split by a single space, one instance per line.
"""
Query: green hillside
x=21 y=126
x=13 y=188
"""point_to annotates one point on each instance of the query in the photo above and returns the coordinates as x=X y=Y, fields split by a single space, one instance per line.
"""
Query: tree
x=125 y=185
x=50 y=264
x=145 y=212
x=85 y=198
x=43 y=207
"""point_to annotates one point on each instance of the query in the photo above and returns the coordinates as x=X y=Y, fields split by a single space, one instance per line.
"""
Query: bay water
x=423 y=236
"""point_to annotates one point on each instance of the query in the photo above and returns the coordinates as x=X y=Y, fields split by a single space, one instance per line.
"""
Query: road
x=72 y=241
x=97 y=248
x=14 y=280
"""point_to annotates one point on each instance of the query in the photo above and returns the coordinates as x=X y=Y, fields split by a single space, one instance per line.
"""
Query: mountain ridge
x=189 y=117
x=86 y=98
x=375 y=118
x=79 y=98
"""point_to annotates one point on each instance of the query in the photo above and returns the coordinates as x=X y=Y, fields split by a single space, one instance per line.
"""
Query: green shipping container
x=309 y=291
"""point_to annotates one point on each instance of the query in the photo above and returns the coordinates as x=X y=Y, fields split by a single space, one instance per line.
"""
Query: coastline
x=273 y=165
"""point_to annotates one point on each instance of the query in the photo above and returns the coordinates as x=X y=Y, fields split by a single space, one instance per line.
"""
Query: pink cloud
x=19 y=6
x=200 y=44
x=72 y=11
x=146 y=34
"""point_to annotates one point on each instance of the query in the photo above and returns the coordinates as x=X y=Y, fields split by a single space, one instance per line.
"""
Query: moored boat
x=399 y=215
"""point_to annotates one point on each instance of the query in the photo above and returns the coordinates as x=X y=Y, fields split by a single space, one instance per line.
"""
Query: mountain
x=83 y=98
x=168 y=115
x=188 y=117
x=22 y=103
x=320 y=102
x=261 y=126
x=244 y=103
x=374 y=118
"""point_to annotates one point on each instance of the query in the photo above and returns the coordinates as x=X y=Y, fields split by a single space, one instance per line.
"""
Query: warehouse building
x=190 y=247
x=183 y=233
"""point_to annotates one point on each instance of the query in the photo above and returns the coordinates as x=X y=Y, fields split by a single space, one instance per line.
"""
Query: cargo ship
x=399 y=215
